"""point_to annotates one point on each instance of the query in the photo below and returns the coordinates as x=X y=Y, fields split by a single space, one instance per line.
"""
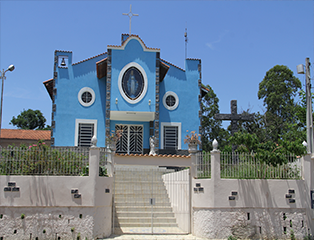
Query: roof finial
x=130 y=14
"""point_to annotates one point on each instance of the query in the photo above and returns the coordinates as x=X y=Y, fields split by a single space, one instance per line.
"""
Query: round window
x=132 y=82
x=170 y=100
x=86 y=96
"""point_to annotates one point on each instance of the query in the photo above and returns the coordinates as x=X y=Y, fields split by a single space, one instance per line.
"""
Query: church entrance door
x=131 y=140
x=151 y=200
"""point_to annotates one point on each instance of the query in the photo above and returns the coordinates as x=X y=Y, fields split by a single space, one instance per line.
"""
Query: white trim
x=79 y=96
x=78 y=121
x=170 y=93
x=132 y=116
x=124 y=69
x=162 y=124
x=145 y=49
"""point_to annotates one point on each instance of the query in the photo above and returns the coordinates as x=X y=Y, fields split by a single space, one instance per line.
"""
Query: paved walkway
x=154 y=237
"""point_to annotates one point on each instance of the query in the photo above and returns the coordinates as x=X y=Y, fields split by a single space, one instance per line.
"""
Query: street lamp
x=309 y=117
x=10 y=68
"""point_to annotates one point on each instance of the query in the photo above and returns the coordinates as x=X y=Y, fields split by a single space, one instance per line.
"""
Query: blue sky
x=237 y=41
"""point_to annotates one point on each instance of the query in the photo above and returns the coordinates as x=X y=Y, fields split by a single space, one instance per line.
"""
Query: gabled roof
x=204 y=90
x=49 y=86
x=164 y=61
x=25 y=134
x=89 y=58
x=145 y=48
x=101 y=67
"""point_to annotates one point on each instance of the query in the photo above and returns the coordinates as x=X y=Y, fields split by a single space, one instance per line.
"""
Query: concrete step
x=140 y=196
x=142 y=208
x=152 y=236
x=147 y=224
x=140 y=190
x=142 y=219
x=142 y=203
x=137 y=182
x=133 y=190
x=143 y=214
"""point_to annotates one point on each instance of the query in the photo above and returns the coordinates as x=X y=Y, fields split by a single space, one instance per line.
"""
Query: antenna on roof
x=130 y=14
x=186 y=41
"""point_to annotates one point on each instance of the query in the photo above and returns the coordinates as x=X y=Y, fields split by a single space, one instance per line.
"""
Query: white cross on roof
x=130 y=14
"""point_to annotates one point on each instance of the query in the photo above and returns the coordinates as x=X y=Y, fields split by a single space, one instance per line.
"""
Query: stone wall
x=51 y=223
x=250 y=223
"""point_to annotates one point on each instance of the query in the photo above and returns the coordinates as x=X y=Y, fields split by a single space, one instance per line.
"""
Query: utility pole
x=309 y=115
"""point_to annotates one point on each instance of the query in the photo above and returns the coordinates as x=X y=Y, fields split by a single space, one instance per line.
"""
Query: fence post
x=308 y=176
x=307 y=168
x=94 y=155
x=193 y=154
x=110 y=160
x=215 y=162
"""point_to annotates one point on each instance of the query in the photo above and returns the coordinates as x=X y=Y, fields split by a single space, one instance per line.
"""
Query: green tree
x=281 y=130
x=212 y=128
x=278 y=90
x=30 y=119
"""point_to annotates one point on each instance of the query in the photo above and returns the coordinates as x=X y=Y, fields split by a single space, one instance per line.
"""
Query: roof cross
x=130 y=14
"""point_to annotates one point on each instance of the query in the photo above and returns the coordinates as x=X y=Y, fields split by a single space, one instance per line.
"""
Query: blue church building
x=128 y=88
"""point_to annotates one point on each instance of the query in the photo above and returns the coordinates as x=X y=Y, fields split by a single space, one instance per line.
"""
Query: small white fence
x=246 y=166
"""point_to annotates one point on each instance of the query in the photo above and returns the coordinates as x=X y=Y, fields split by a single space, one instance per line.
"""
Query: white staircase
x=135 y=189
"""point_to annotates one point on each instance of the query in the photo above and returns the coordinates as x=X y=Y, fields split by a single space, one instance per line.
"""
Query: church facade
x=129 y=88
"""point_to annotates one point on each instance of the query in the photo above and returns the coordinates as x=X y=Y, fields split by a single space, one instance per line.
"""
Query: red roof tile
x=163 y=60
x=146 y=155
x=89 y=58
x=26 y=134
x=133 y=35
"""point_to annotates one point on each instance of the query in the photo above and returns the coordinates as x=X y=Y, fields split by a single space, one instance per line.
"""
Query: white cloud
x=212 y=44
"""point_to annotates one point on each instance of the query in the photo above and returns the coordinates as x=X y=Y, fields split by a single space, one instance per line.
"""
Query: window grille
x=131 y=140
x=86 y=97
x=170 y=137
x=170 y=101
x=86 y=132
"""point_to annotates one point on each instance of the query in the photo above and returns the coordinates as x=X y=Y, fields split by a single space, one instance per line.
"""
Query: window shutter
x=170 y=137
x=86 y=132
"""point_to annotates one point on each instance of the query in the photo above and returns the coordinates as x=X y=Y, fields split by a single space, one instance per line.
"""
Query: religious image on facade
x=129 y=88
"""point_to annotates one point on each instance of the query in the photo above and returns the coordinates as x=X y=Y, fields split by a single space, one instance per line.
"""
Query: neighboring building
x=17 y=137
x=128 y=88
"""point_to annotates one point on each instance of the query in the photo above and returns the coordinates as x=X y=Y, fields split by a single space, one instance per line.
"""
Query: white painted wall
x=177 y=185
x=215 y=216
x=43 y=198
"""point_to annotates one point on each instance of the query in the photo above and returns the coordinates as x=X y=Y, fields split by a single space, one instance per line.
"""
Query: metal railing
x=246 y=166
x=42 y=160
x=203 y=163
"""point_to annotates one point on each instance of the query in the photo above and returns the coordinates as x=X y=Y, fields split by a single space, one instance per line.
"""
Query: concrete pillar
x=110 y=161
x=193 y=154
x=215 y=165
x=94 y=153
x=308 y=176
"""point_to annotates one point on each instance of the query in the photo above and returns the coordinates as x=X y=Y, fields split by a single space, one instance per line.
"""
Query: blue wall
x=73 y=78
x=185 y=85
x=133 y=52
x=68 y=84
